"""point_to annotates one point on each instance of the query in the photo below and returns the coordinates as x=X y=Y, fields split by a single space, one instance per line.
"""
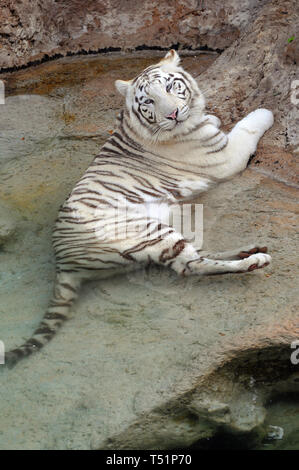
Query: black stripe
x=211 y=137
x=139 y=118
x=196 y=128
x=34 y=342
x=55 y=316
x=218 y=150
x=44 y=330
x=215 y=143
x=68 y=286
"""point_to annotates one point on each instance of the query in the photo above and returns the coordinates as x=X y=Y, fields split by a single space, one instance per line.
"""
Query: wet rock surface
x=148 y=360
x=29 y=31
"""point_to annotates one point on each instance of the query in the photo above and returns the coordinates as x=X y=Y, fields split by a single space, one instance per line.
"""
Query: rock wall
x=260 y=70
x=31 y=30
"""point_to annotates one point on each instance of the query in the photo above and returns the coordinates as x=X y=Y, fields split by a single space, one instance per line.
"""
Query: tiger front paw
x=258 y=122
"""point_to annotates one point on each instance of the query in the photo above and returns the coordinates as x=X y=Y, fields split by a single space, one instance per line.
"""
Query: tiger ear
x=122 y=86
x=172 y=57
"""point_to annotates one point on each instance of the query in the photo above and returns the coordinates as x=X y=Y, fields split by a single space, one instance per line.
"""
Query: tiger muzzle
x=173 y=115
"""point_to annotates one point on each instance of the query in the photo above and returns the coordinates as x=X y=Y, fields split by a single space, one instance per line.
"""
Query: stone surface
x=136 y=366
x=31 y=30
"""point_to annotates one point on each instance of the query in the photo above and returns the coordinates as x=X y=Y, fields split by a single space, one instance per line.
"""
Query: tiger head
x=163 y=101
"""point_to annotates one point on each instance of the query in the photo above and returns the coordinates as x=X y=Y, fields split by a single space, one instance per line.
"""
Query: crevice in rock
x=143 y=47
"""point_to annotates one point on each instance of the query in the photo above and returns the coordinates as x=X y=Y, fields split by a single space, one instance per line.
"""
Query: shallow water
x=283 y=413
x=131 y=340
x=281 y=430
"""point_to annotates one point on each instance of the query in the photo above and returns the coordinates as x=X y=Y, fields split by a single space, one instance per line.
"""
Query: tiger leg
x=243 y=140
x=239 y=253
x=173 y=251
x=202 y=265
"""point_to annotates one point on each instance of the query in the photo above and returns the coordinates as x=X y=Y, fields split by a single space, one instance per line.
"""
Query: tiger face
x=163 y=101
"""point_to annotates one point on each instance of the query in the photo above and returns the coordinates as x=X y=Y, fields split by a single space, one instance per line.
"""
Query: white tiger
x=164 y=149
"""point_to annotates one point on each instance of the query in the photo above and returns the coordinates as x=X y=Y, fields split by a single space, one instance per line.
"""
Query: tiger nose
x=173 y=115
